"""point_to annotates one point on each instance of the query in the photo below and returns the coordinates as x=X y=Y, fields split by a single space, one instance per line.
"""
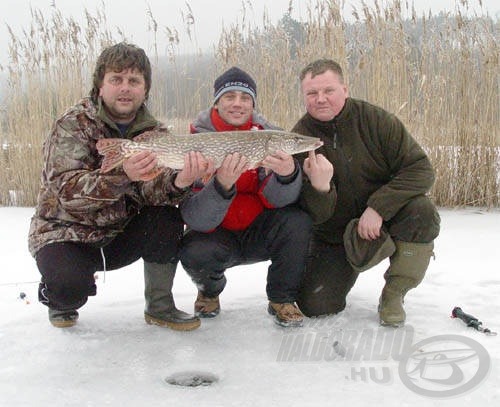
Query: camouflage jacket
x=77 y=203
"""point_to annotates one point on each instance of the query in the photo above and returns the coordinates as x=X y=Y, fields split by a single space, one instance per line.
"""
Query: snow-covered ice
x=113 y=358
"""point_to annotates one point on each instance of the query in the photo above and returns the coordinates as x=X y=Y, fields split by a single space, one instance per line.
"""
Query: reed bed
x=438 y=73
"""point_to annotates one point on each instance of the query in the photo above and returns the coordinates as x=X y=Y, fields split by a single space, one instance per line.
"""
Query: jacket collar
x=142 y=121
x=203 y=122
x=344 y=114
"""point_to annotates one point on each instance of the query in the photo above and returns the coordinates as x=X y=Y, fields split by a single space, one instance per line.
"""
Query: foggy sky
x=210 y=16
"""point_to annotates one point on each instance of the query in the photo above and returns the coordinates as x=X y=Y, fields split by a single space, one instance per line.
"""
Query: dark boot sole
x=288 y=324
x=395 y=324
x=188 y=325
x=211 y=314
x=68 y=323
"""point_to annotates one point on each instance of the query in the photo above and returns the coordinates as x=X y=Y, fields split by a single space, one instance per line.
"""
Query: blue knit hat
x=235 y=79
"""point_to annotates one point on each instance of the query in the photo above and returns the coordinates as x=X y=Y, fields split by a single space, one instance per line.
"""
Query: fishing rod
x=19 y=283
x=471 y=321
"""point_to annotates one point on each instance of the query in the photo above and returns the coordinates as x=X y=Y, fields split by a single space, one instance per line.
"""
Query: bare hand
x=139 y=166
x=370 y=224
x=280 y=162
x=230 y=170
x=195 y=166
x=319 y=171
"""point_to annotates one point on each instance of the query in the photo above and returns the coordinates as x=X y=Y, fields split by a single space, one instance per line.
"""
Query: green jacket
x=77 y=203
x=377 y=163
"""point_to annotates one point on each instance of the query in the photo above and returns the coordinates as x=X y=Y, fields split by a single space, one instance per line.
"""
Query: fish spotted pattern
x=171 y=149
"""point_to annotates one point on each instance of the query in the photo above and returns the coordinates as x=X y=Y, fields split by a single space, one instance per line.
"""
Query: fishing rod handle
x=467 y=318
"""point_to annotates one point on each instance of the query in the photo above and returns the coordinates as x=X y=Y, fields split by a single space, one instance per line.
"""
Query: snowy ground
x=112 y=358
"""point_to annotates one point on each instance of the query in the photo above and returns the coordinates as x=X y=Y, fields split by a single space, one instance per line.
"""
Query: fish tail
x=110 y=149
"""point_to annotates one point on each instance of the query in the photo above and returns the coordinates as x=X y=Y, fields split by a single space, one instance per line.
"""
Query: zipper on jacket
x=328 y=139
x=334 y=142
x=345 y=163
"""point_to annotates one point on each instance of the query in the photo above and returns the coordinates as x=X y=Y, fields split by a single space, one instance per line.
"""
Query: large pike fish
x=170 y=149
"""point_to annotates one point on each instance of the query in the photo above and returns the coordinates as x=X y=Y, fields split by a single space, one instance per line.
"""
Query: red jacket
x=210 y=206
x=248 y=202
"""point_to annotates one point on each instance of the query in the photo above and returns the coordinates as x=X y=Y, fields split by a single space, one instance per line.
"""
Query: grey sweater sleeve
x=204 y=210
x=282 y=191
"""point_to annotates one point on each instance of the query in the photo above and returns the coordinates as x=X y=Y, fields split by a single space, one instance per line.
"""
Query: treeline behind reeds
x=439 y=74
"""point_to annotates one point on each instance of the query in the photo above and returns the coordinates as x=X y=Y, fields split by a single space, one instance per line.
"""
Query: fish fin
x=147 y=136
x=110 y=149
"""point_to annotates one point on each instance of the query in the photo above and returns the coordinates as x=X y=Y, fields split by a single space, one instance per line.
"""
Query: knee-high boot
x=160 y=306
x=406 y=270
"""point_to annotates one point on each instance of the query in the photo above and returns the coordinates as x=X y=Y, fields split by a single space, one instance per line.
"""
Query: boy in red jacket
x=243 y=215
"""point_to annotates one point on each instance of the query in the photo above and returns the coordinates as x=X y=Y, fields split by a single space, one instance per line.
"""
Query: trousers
x=67 y=268
x=279 y=235
x=329 y=277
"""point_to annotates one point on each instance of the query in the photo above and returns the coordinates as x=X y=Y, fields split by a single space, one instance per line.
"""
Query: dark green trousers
x=329 y=277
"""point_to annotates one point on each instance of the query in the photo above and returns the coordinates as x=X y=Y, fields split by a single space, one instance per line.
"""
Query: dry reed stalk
x=180 y=82
x=439 y=74
x=461 y=105
x=50 y=69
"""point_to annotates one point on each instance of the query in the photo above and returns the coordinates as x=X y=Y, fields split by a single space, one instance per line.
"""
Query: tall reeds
x=438 y=73
x=48 y=72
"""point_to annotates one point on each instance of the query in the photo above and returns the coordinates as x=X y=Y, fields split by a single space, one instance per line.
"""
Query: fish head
x=293 y=143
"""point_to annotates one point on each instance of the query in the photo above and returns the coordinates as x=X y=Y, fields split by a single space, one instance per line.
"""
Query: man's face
x=235 y=107
x=123 y=93
x=324 y=95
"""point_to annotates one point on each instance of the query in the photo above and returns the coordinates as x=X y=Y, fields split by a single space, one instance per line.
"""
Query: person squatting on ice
x=376 y=206
x=86 y=221
x=245 y=215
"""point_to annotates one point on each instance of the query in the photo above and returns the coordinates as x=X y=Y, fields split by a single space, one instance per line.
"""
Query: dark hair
x=117 y=58
x=321 y=66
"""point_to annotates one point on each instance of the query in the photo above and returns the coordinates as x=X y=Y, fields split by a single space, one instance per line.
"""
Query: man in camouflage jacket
x=375 y=205
x=87 y=221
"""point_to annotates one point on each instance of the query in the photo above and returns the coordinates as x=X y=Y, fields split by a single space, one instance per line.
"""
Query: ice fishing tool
x=471 y=321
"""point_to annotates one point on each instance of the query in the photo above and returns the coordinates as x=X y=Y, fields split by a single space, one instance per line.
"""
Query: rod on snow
x=470 y=320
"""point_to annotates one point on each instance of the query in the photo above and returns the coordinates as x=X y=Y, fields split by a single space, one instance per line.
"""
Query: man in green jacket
x=375 y=205
x=87 y=221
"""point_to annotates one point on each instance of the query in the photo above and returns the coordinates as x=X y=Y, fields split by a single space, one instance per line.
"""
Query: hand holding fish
x=319 y=171
x=231 y=168
x=139 y=167
x=195 y=166
x=280 y=162
x=169 y=149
